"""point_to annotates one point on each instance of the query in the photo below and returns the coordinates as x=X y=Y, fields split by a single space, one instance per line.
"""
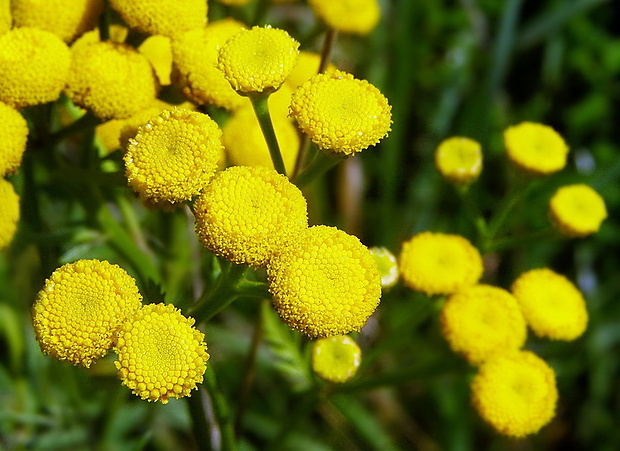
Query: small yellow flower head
x=248 y=214
x=553 y=307
x=341 y=113
x=258 y=59
x=336 y=359
x=481 y=321
x=535 y=148
x=577 y=210
x=78 y=312
x=12 y=140
x=67 y=19
x=173 y=156
x=438 y=263
x=324 y=283
x=33 y=67
x=459 y=160
x=307 y=66
x=9 y=213
x=6 y=21
x=158 y=51
x=112 y=80
x=387 y=266
x=161 y=354
x=166 y=17
x=348 y=16
x=515 y=393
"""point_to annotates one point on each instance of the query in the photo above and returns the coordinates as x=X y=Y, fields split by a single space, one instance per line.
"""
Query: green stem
x=220 y=295
x=261 y=108
x=221 y=411
x=471 y=207
x=87 y=122
x=321 y=163
x=104 y=23
x=198 y=406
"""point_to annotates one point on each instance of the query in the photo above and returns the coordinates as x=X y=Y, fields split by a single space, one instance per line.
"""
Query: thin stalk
x=221 y=411
x=219 y=296
x=104 y=23
x=321 y=163
x=86 y=122
x=261 y=108
x=473 y=211
x=198 y=407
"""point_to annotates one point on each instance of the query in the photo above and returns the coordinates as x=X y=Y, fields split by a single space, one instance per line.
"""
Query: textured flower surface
x=577 y=210
x=161 y=354
x=9 y=212
x=553 y=307
x=387 y=266
x=12 y=140
x=324 y=283
x=336 y=359
x=348 y=16
x=459 y=160
x=535 y=148
x=341 y=113
x=515 y=393
x=78 y=312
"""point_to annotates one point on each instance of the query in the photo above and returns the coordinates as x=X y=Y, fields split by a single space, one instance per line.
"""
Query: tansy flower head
x=258 y=59
x=324 y=283
x=386 y=264
x=348 y=16
x=336 y=359
x=173 y=156
x=340 y=113
x=307 y=66
x=33 y=66
x=12 y=140
x=438 y=263
x=481 y=321
x=515 y=393
x=9 y=212
x=247 y=214
x=553 y=307
x=577 y=210
x=80 y=309
x=160 y=354
x=535 y=148
x=158 y=51
x=459 y=160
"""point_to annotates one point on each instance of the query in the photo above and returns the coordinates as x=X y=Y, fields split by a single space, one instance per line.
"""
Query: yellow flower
x=9 y=213
x=13 y=139
x=67 y=19
x=535 y=148
x=166 y=17
x=258 y=59
x=307 y=66
x=247 y=214
x=33 y=67
x=340 y=113
x=553 y=307
x=173 y=156
x=577 y=210
x=459 y=160
x=78 y=312
x=348 y=16
x=118 y=34
x=515 y=393
x=6 y=20
x=387 y=266
x=158 y=50
x=324 y=283
x=336 y=359
x=438 y=263
x=481 y=321
x=161 y=354
x=112 y=80
x=234 y=2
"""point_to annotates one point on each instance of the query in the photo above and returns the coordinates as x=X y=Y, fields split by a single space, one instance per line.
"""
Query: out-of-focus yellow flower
x=80 y=309
x=459 y=160
x=341 y=113
x=6 y=21
x=33 y=66
x=307 y=66
x=515 y=393
x=535 y=148
x=553 y=307
x=577 y=210
x=348 y=16
x=161 y=354
x=324 y=283
x=158 y=51
x=117 y=33
x=12 y=140
x=234 y=2
x=9 y=212
x=258 y=59
x=387 y=266
x=336 y=359
x=248 y=214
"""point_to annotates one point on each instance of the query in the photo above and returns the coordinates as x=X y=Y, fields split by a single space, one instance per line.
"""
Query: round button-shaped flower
x=161 y=354
x=515 y=393
x=341 y=113
x=348 y=16
x=459 y=160
x=336 y=359
x=248 y=214
x=324 y=283
x=577 y=210
x=535 y=148
x=387 y=266
x=80 y=309
x=13 y=139
x=9 y=212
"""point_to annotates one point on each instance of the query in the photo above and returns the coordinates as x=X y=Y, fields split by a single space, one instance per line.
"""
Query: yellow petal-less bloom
x=80 y=309
x=577 y=210
x=341 y=113
x=481 y=321
x=438 y=263
x=535 y=148
x=248 y=214
x=33 y=66
x=158 y=50
x=387 y=266
x=459 y=160
x=324 y=283
x=348 y=16
x=336 y=359
x=12 y=140
x=9 y=212
x=553 y=307
x=161 y=354
x=173 y=156
x=258 y=59
x=515 y=393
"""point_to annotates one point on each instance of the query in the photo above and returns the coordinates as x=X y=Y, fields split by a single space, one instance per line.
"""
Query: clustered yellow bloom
x=348 y=16
x=12 y=140
x=387 y=266
x=535 y=148
x=459 y=160
x=336 y=359
x=9 y=212
x=161 y=354
x=577 y=210
x=341 y=113
x=80 y=309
